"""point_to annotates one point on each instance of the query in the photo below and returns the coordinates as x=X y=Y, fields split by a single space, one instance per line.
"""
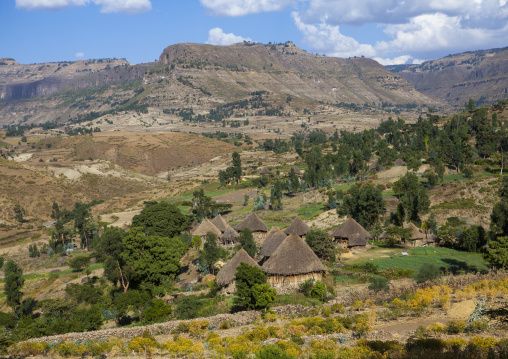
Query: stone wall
x=237 y=319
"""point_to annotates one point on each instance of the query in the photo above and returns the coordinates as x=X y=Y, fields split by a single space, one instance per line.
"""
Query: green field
x=447 y=259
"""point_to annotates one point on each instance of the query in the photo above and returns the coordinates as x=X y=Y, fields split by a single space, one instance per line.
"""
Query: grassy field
x=447 y=259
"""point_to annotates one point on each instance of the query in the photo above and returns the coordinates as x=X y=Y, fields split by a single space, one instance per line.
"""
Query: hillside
x=480 y=75
x=200 y=77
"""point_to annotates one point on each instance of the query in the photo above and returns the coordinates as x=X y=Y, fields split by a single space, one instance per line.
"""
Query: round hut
x=399 y=162
x=226 y=276
x=220 y=223
x=230 y=237
x=264 y=171
x=299 y=227
x=292 y=263
x=297 y=171
x=351 y=235
x=256 y=225
x=417 y=237
x=273 y=239
x=205 y=227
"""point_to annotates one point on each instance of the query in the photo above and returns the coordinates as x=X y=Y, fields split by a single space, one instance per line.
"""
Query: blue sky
x=390 y=31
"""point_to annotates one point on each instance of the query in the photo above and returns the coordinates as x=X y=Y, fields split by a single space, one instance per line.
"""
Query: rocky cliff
x=480 y=75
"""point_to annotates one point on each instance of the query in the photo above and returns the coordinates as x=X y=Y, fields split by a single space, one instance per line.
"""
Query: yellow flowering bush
x=142 y=345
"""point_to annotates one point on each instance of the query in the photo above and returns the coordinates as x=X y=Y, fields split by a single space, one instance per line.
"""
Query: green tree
x=211 y=252
x=378 y=284
x=412 y=195
x=252 y=291
x=79 y=262
x=497 y=253
x=162 y=219
x=153 y=260
x=318 y=291
x=237 y=167
x=276 y=195
x=427 y=272
x=83 y=222
x=364 y=202
x=321 y=243
x=13 y=283
x=246 y=239
x=206 y=207
x=470 y=105
x=294 y=181
x=19 y=213
x=472 y=239
x=499 y=216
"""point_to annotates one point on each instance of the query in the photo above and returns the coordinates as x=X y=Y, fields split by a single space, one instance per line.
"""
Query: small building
x=256 y=225
x=433 y=240
x=220 y=223
x=273 y=239
x=298 y=226
x=205 y=227
x=264 y=171
x=399 y=162
x=297 y=171
x=351 y=235
x=230 y=237
x=292 y=263
x=226 y=276
x=417 y=237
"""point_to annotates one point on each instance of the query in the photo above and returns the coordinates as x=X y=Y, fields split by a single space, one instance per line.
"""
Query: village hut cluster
x=284 y=255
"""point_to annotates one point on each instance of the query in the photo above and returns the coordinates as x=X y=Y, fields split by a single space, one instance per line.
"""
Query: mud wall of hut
x=288 y=284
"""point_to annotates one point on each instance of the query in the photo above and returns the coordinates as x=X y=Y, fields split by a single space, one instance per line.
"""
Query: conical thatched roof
x=293 y=257
x=220 y=223
x=298 y=226
x=227 y=274
x=399 y=162
x=229 y=235
x=264 y=171
x=273 y=239
x=253 y=223
x=205 y=227
x=416 y=232
x=433 y=239
x=355 y=234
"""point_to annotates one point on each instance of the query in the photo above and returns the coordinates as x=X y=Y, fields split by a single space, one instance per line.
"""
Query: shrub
x=224 y=325
x=188 y=307
x=319 y=290
x=272 y=352
x=378 y=284
x=306 y=287
x=428 y=272
x=456 y=327
x=142 y=345
x=157 y=312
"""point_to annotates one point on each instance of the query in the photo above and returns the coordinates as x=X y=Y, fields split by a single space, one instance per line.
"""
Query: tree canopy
x=364 y=202
x=161 y=219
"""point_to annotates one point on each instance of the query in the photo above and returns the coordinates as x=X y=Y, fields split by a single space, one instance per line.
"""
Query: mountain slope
x=196 y=76
x=481 y=75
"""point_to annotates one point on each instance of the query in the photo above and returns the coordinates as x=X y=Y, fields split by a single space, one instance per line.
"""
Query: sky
x=389 y=31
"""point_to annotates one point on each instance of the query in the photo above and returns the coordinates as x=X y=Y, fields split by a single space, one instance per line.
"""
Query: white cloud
x=218 y=37
x=328 y=39
x=412 y=28
x=107 y=6
x=79 y=55
x=244 y=7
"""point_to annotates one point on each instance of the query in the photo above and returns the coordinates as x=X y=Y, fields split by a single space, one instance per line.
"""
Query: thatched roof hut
x=399 y=162
x=205 y=227
x=351 y=233
x=416 y=233
x=230 y=236
x=253 y=223
x=220 y=223
x=226 y=275
x=298 y=226
x=297 y=171
x=292 y=263
x=273 y=239
x=264 y=171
